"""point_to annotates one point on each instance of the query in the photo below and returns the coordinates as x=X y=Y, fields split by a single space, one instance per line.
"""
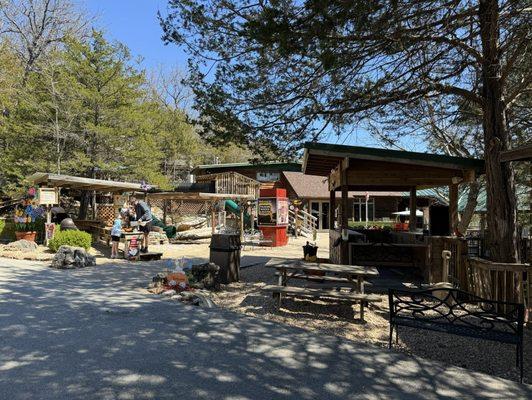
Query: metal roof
x=368 y=168
x=339 y=152
x=522 y=192
x=273 y=165
x=77 y=182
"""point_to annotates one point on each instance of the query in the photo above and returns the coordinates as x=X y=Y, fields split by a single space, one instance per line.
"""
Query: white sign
x=48 y=196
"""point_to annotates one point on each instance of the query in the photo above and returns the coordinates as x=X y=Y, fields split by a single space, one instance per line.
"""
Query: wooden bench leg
x=390 y=337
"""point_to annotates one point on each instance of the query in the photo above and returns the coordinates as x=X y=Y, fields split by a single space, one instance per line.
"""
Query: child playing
x=116 y=232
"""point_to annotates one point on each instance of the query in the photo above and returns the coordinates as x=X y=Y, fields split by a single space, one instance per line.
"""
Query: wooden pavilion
x=371 y=169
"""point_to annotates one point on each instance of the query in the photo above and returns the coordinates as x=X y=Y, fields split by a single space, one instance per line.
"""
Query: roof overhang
x=198 y=196
x=81 y=183
x=364 y=168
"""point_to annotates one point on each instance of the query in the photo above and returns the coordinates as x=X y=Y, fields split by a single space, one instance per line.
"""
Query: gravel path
x=337 y=319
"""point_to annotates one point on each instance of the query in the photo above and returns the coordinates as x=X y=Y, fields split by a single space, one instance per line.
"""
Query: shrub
x=70 y=238
x=7 y=230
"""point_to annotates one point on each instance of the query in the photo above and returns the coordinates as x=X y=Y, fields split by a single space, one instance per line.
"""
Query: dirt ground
x=335 y=319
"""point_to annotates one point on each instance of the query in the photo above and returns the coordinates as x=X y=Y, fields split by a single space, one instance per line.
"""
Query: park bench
x=460 y=313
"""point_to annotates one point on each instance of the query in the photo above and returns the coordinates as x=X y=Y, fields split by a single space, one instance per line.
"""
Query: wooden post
x=413 y=209
x=453 y=208
x=94 y=204
x=241 y=223
x=344 y=220
x=213 y=219
x=332 y=208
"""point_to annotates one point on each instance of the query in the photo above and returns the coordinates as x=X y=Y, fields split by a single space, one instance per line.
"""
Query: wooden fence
x=232 y=182
x=500 y=281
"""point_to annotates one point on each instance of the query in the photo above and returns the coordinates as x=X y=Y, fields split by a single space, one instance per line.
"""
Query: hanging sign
x=48 y=196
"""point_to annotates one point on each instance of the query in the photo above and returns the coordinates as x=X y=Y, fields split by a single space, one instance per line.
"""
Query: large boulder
x=70 y=257
x=22 y=245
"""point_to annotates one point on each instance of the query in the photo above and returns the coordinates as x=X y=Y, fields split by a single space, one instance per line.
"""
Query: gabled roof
x=271 y=166
x=316 y=187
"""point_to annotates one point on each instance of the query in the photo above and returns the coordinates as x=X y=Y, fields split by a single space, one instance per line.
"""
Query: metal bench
x=460 y=313
x=323 y=294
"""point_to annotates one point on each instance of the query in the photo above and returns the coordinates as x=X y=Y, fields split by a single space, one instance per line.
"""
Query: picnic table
x=352 y=276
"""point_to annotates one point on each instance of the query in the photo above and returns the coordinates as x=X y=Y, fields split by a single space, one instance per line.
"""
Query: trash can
x=310 y=251
x=225 y=252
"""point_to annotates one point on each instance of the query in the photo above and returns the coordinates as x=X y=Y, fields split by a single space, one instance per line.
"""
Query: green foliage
x=70 y=238
x=371 y=224
x=7 y=230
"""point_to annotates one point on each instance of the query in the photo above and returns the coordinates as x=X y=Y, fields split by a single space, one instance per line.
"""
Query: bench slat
x=317 y=293
x=323 y=278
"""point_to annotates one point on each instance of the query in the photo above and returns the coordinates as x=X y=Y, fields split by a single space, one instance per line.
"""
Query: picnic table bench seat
x=323 y=293
x=321 y=278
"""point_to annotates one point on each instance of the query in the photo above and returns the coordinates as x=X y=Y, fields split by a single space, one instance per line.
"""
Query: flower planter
x=29 y=236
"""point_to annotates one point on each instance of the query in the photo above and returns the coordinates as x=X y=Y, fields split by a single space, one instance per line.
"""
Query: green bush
x=7 y=230
x=70 y=238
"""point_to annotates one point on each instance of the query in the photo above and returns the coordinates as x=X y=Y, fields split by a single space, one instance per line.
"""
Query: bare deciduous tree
x=36 y=26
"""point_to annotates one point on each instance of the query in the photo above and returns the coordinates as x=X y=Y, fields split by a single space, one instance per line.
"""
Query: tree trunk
x=500 y=185
x=469 y=210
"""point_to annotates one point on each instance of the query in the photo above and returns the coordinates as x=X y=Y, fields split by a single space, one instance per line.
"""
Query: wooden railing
x=500 y=281
x=457 y=268
x=303 y=223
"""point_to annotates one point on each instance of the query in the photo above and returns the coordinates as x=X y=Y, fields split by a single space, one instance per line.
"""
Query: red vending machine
x=272 y=216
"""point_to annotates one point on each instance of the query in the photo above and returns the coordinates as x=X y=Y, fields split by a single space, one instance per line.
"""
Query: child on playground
x=116 y=232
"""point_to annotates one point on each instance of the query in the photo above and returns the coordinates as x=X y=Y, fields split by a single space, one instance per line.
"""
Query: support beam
x=453 y=208
x=332 y=208
x=413 y=205
x=94 y=211
x=344 y=219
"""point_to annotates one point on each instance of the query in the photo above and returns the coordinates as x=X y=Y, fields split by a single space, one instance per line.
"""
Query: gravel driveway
x=96 y=334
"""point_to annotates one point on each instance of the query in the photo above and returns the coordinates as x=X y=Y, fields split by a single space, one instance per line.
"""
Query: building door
x=320 y=209
x=324 y=215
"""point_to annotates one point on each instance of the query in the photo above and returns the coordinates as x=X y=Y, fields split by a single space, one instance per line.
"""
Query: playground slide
x=233 y=208
x=168 y=229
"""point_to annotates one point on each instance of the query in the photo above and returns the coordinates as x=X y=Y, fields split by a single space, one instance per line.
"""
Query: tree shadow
x=95 y=333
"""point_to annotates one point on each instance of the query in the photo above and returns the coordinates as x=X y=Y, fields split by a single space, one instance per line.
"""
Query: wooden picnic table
x=352 y=275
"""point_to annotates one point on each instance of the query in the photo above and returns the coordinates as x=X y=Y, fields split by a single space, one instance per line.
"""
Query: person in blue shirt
x=116 y=232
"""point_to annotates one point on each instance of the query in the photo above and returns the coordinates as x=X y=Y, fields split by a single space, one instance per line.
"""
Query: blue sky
x=134 y=23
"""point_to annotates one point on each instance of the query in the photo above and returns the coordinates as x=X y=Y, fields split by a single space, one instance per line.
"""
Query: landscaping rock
x=206 y=276
x=24 y=246
x=69 y=257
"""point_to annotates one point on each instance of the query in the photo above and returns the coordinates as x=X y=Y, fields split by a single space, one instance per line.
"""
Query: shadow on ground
x=95 y=334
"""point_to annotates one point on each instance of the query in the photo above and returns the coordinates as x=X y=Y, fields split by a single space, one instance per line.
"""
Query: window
x=268 y=176
x=359 y=209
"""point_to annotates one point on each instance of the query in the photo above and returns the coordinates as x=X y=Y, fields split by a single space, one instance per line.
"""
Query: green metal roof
x=429 y=193
x=272 y=166
x=522 y=192
x=370 y=152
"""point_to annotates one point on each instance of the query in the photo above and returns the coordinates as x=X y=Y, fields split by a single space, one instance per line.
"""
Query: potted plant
x=26 y=220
